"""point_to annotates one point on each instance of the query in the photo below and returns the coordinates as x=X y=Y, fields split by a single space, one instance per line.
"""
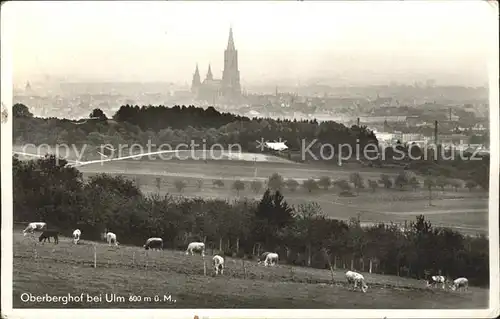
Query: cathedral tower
x=196 y=83
x=231 y=75
x=210 y=76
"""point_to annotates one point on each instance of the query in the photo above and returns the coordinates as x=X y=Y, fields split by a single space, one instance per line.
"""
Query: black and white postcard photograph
x=250 y=159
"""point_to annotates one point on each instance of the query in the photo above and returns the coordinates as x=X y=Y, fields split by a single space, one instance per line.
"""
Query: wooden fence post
x=204 y=267
x=327 y=257
x=95 y=256
x=35 y=254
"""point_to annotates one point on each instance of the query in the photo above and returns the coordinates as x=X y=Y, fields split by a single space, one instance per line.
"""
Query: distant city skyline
x=353 y=43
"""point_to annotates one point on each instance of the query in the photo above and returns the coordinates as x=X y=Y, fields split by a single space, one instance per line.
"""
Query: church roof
x=212 y=82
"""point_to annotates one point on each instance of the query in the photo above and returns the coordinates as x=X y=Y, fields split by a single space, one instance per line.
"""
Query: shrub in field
x=386 y=181
x=325 y=182
x=238 y=186
x=180 y=185
x=275 y=182
x=441 y=182
x=357 y=180
x=218 y=183
x=455 y=184
x=414 y=183
x=342 y=184
x=256 y=186
x=470 y=185
x=158 y=183
x=310 y=185
x=373 y=185
x=401 y=180
x=291 y=184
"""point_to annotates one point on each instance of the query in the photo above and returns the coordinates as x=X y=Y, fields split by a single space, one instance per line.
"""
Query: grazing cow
x=111 y=238
x=262 y=257
x=461 y=282
x=271 y=259
x=196 y=247
x=154 y=243
x=49 y=233
x=34 y=226
x=356 y=278
x=435 y=280
x=76 y=236
x=218 y=263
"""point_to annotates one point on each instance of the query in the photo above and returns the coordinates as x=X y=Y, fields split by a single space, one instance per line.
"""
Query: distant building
x=276 y=146
x=408 y=137
x=227 y=88
x=382 y=119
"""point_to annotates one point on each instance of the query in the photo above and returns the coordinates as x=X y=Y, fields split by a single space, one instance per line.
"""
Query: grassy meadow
x=128 y=270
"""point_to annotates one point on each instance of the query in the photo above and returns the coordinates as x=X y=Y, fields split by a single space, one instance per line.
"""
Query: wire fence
x=103 y=256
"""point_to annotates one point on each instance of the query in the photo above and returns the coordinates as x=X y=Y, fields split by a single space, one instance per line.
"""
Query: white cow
x=461 y=282
x=218 y=263
x=433 y=281
x=262 y=257
x=196 y=247
x=154 y=243
x=271 y=259
x=111 y=238
x=356 y=278
x=34 y=226
x=76 y=236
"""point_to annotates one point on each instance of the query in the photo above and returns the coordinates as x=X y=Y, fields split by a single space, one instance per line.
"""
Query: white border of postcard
x=7 y=224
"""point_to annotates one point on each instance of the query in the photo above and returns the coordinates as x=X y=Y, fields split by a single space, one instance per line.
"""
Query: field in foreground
x=59 y=270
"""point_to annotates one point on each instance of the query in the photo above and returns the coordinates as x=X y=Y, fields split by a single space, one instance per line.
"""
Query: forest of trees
x=45 y=189
x=162 y=125
x=159 y=125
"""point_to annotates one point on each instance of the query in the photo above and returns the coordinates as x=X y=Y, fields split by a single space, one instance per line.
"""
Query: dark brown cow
x=49 y=233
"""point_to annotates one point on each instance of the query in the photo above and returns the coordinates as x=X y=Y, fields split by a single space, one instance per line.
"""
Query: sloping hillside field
x=130 y=277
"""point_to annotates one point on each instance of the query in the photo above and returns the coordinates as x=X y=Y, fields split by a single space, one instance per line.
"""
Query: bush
x=238 y=186
x=357 y=181
x=373 y=185
x=256 y=186
x=218 y=183
x=292 y=184
x=310 y=185
x=401 y=180
x=275 y=182
x=325 y=182
x=180 y=185
x=385 y=181
x=342 y=184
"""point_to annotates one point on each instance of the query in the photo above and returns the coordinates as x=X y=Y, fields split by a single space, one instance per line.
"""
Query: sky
x=356 y=42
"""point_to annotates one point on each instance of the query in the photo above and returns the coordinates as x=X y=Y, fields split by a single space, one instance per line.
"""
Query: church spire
x=196 y=80
x=209 y=73
x=196 y=71
x=230 y=41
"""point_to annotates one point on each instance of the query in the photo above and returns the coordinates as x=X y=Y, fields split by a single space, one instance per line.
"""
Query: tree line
x=405 y=180
x=178 y=125
x=162 y=125
x=45 y=189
